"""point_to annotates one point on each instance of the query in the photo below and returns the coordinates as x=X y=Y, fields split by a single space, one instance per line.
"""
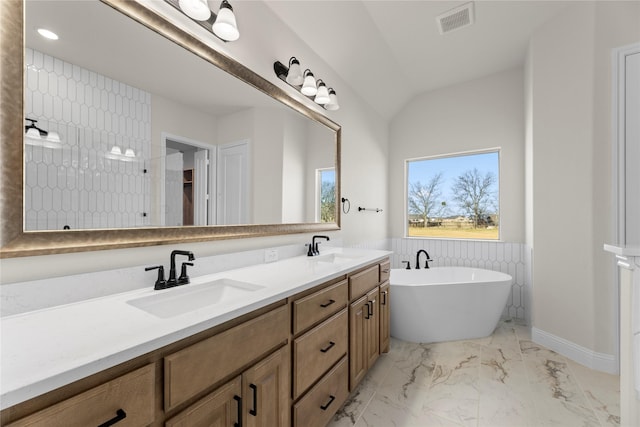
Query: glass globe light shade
x=196 y=9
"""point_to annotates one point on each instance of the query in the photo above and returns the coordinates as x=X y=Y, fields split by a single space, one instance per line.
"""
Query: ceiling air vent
x=456 y=18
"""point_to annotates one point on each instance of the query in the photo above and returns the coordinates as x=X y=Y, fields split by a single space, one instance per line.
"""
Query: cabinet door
x=358 y=314
x=373 y=327
x=266 y=392
x=385 y=317
x=221 y=408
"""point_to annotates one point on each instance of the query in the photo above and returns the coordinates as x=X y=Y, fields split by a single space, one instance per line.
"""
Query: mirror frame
x=15 y=242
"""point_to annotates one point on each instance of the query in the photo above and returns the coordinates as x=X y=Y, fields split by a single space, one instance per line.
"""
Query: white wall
x=476 y=115
x=570 y=157
x=264 y=39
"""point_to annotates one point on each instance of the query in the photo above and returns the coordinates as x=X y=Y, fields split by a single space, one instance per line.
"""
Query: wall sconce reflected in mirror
x=223 y=25
x=306 y=83
x=116 y=154
x=39 y=137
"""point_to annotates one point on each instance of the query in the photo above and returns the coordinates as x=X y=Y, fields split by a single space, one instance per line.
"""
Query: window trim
x=405 y=216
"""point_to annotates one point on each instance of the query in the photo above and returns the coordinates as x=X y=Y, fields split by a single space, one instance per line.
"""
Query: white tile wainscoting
x=510 y=258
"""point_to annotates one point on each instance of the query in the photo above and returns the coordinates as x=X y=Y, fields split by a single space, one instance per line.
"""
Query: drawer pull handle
x=368 y=315
x=120 y=415
x=327 y=304
x=326 y=405
x=254 y=411
x=331 y=344
x=239 y=400
x=371 y=304
x=384 y=298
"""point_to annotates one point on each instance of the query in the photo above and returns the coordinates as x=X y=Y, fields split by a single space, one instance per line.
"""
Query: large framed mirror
x=146 y=136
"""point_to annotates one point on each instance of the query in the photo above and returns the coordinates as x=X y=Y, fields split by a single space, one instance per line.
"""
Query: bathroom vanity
x=286 y=352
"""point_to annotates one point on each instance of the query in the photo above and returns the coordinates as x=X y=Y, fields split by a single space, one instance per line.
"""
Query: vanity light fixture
x=116 y=154
x=309 y=87
x=294 y=76
x=322 y=95
x=307 y=84
x=333 y=101
x=223 y=25
x=40 y=137
x=195 y=9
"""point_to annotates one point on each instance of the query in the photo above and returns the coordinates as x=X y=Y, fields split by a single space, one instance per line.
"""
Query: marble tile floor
x=501 y=380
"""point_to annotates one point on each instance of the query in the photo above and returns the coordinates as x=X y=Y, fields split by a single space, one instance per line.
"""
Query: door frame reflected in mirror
x=14 y=242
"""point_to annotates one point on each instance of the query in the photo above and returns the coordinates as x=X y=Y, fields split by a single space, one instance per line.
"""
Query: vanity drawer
x=313 y=308
x=195 y=368
x=132 y=393
x=385 y=271
x=319 y=349
x=362 y=282
x=323 y=400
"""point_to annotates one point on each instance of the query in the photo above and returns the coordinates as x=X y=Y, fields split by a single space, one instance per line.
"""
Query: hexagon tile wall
x=76 y=183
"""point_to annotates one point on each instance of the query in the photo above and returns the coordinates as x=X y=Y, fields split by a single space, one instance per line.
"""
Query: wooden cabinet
x=128 y=400
x=320 y=326
x=364 y=341
x=257 y=398
x=292 y=362
x=265 y=391
x=385 y=317
x=193 y=369
x=369 y=316
x=221 y=408
x=317 y=407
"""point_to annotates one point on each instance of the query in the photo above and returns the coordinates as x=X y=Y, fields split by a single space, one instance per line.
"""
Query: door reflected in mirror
x=142 y=133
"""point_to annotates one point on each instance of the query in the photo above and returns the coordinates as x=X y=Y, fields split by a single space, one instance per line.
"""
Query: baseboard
x=589 y=358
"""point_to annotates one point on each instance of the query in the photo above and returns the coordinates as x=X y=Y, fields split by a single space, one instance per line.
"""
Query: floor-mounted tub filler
x=446 y=303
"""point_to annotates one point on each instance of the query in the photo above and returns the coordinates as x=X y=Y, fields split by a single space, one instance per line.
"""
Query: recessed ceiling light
x=47 y=34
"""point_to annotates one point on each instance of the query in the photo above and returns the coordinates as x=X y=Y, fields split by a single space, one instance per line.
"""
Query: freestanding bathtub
x=446 y=303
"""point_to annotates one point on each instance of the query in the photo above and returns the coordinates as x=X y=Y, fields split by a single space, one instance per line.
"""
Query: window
x=326 y=202
x=454 y=196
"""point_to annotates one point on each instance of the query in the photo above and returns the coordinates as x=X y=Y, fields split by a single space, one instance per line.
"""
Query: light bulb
x=294 y=76
x=47 y=34
x=116 y=151
x=129 y=153
x=225 y=25
x=322 y=96
x=309 y=86
x=196 y=9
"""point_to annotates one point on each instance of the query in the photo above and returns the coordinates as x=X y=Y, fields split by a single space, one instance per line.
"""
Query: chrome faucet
x=426 y=262
x=183 y=279
x=313 y=246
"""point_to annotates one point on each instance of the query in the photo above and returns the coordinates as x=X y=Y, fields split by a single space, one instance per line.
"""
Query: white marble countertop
x=49 y=348
x=631 y=250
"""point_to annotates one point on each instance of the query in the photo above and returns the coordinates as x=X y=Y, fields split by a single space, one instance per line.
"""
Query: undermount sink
x=186 y=298
x=335 y=258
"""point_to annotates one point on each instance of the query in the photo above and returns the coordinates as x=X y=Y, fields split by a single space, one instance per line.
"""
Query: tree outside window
x=454 y=196
x=327 y=195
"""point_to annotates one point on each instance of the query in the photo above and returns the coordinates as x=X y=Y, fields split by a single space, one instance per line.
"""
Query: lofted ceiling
x=389 y=51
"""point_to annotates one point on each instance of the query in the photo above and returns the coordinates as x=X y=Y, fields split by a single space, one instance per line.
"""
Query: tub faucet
x=172 y=281
x=426 y=262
